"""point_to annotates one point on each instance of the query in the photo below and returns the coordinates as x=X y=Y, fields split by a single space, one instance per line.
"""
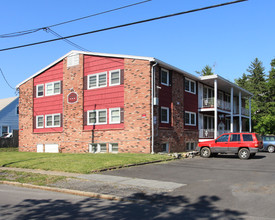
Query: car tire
x=244 y=153
x=205 y=152
x=270 y=149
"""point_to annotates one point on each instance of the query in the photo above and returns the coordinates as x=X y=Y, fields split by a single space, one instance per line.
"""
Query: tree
x=206 y=71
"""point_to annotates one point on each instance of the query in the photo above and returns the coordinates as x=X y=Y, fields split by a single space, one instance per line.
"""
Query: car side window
x=247 y=137
x=235 y=137
x=223 y=138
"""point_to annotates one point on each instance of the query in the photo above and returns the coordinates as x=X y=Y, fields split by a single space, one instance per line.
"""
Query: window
x=190 y=118
x=97 y=117
x=164 y=77
x=190 y=86
x=223 y=138
x=114 y=147
x=114 y=78
x=114 y=115
x=97 y=80
x=53 y=88
x=5 y=130
x=40 y=121
x=235 y=137
x=247 y=137
x=40 y=90
x=190 y=146
x=96 y=148
x=17 y=109
x=165 y=147
x=164 y=114
x=53 y=120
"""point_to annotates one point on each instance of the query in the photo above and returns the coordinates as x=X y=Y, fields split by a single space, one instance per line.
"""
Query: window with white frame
x=190 y=86
x=165 y=147
x=113 y=147
x=114 y=115
x=164 y=115
x=164 y=77
x=114 y=77
x=53 y=120
x=190 y=146
x=40 y=90
x=190 y=118
x=5 y=130
x=40 y=121
x=97 y=80
x=53 y=88
x=97 y=117
x=97 y=148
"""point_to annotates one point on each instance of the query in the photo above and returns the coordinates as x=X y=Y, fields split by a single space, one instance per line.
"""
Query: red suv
x=246 y=145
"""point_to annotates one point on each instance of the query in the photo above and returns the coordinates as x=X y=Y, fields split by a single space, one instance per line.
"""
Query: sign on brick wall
x=72 y=97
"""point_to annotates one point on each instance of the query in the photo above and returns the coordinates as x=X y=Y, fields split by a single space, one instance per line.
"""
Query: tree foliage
x=206 y=71
x=263 y=100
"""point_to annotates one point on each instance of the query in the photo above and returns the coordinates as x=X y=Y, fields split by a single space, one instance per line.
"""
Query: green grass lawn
x=75 y=163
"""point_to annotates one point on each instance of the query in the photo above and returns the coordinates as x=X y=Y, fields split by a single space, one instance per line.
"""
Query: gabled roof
x=5 y=102
x=151 y=59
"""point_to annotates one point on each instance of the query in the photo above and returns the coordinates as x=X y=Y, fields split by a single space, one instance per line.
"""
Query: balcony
x=223 y=105
x=209 y=103
x=245 y=111
x=209 y=133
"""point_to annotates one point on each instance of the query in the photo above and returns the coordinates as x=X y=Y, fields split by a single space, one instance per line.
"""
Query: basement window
x=113 y=147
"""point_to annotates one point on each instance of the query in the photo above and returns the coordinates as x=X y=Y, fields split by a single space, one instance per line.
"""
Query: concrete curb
x=72 y=192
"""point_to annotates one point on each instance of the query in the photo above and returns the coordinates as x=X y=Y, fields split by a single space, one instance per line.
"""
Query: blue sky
x=228 y=37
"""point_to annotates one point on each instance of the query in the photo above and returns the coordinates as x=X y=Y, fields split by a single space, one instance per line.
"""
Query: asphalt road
x=215 y=188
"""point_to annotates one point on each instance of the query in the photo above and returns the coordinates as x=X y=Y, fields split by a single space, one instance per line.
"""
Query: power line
x=66 y=40
x=6 y=79
x=21 y=33
x=125 y=25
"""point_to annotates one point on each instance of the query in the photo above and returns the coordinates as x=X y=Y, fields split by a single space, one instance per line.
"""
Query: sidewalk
x=104 y=186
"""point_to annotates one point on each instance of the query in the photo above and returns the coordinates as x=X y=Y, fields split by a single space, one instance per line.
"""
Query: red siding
x=106 y=97
x=191 y=105
x=48 y=104
x=165 y=100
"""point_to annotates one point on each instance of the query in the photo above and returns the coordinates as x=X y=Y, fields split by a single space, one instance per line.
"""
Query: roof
x=204 y=79
x=5 y=102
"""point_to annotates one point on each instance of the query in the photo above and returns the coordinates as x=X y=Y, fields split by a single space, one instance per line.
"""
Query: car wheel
x=270 y=149
x=244 y=153
x=205 y=152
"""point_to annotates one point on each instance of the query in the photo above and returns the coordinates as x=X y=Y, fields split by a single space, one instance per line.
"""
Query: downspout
x=153 y=93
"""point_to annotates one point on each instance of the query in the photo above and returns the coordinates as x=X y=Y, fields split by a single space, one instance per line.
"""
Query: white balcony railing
x=208 y=103
x=209 y=133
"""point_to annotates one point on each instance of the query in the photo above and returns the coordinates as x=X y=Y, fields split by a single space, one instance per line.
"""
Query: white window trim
x=8 y=129
x=111 y=148
x=189 y=145
x=167 y=147
x=98 y=148
x=168 y=115
x=37 y=121
x=53 y=126
x=168 y=77
x=97 y=80
x=110 y=78
x=110 y=115
x=191 y=113
x=49 y=94
x=37 y=90
x=195 y=86
x=97 y=117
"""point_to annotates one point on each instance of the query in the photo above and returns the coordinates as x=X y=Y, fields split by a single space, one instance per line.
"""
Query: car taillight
x=256 y=145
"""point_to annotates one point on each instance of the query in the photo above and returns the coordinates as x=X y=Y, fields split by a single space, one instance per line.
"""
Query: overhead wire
x=6 y=79
x=125 y=25
x=21 y=33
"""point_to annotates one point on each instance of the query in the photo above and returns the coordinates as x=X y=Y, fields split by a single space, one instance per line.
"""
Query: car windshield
x=259 y=138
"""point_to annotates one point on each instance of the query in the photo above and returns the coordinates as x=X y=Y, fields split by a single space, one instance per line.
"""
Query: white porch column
x=240 y=111
x=232 y=110
x=250 y=126
x=215 y=108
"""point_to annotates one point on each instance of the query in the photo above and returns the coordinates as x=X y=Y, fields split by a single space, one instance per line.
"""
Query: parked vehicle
x=245 y=145
x=269 y=143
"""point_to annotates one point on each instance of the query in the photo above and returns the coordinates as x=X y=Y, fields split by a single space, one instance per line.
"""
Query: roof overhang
x=225 y=84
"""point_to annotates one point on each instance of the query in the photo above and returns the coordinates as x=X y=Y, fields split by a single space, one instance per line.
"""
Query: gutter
x=152 y=104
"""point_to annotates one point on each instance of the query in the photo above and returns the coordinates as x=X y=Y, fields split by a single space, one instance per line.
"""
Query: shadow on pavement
x=158 y=207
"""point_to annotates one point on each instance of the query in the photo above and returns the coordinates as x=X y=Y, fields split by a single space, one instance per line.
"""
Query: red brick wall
x=133 y=137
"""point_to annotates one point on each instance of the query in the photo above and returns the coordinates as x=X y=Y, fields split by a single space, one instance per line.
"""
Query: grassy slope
x=76 y=163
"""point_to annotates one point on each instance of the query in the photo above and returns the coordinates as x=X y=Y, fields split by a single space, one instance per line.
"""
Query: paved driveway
x=222 y=184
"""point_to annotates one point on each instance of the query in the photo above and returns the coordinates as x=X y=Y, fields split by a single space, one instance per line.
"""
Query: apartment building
x=94 y=102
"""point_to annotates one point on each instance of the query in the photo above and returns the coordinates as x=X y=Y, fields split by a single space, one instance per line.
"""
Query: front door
x=221 y=144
